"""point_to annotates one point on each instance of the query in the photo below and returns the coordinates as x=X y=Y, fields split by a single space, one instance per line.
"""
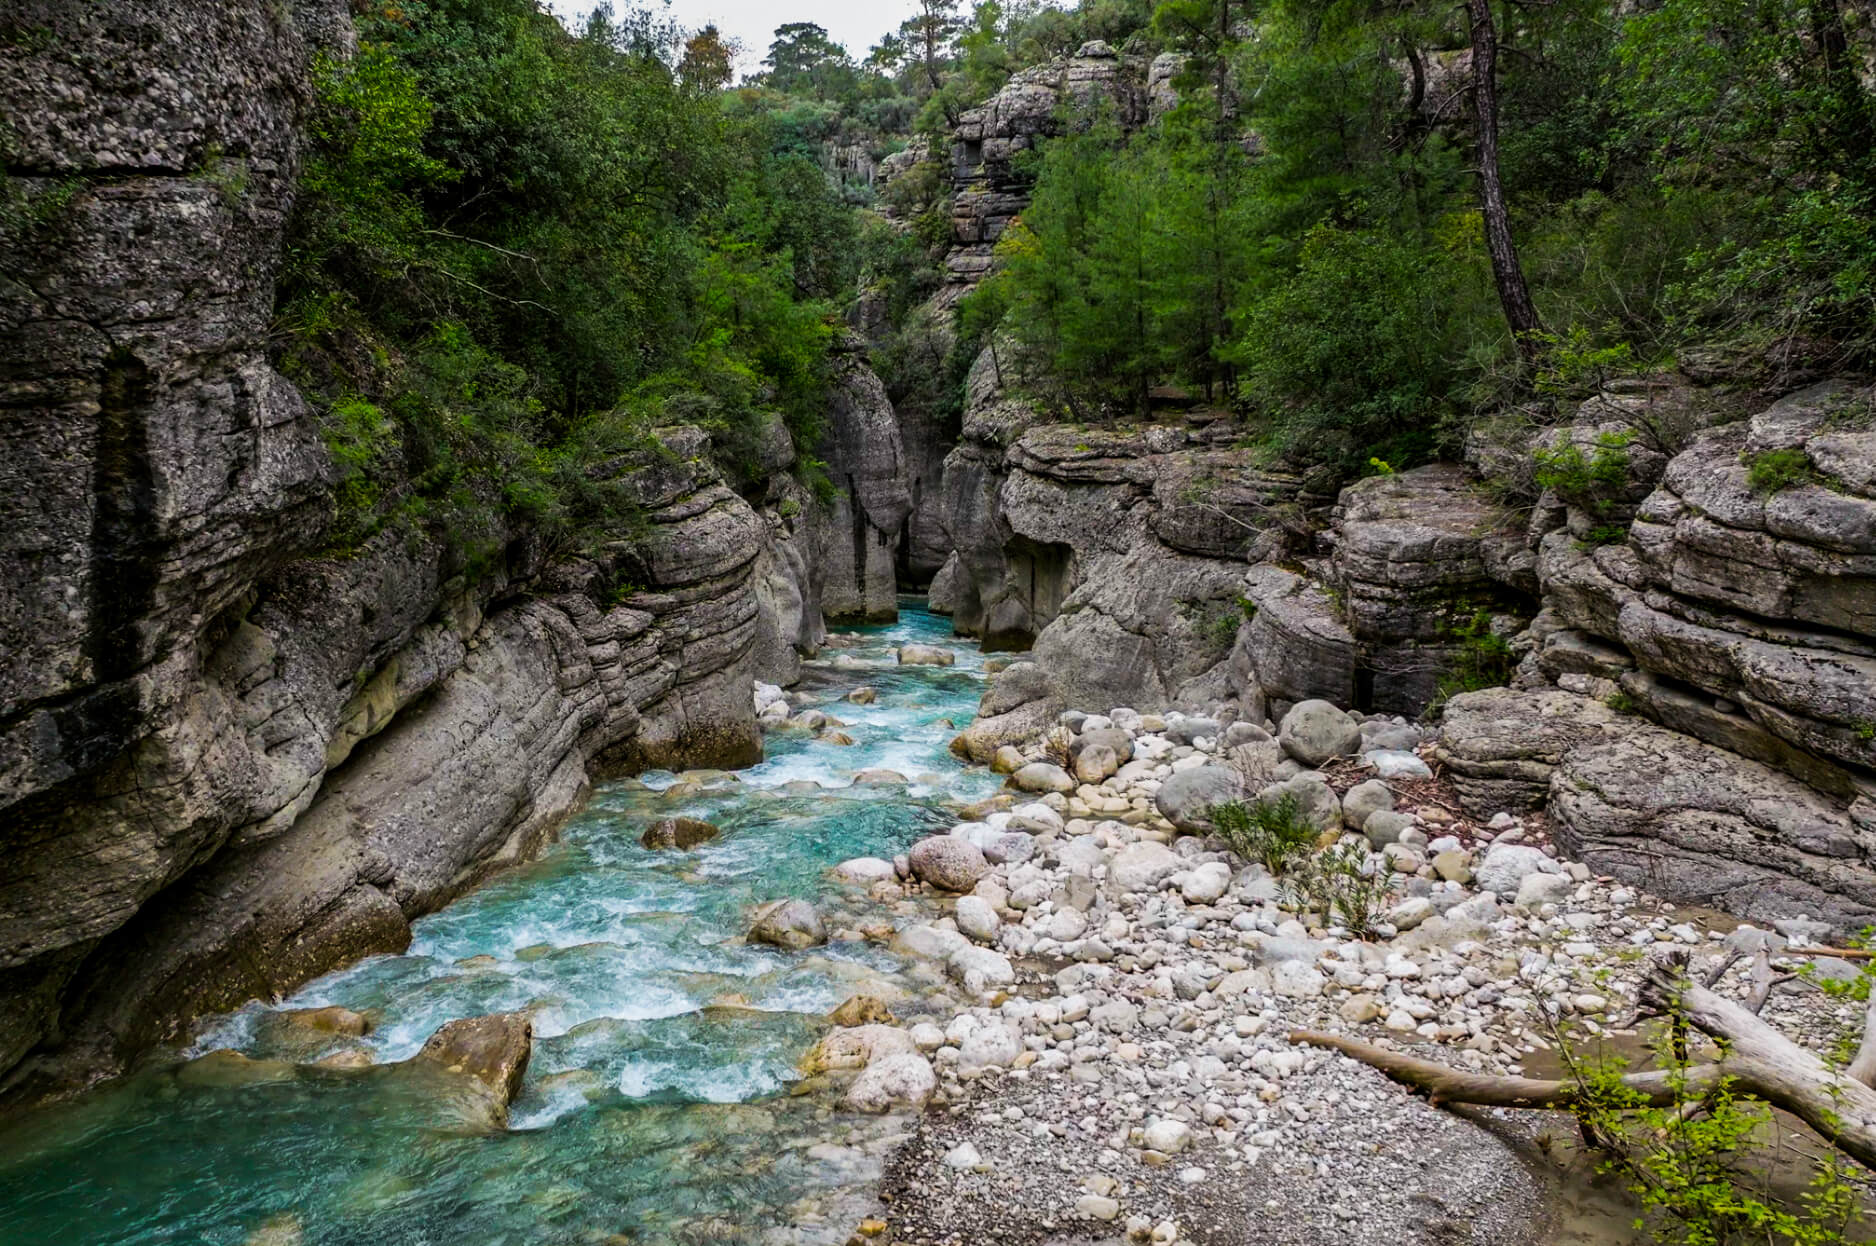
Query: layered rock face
x=1738 y=620
x=224 y=768
x=1416 y=559
x=1117 y=553
x=858 y=533
x=1027 y=108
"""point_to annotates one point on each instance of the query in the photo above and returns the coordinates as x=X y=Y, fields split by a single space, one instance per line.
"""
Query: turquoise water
x=656 y=1105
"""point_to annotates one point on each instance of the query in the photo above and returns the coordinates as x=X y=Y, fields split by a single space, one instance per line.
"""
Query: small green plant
x=1685 y=1168
x=1864 y=729
x=1770 y=471
x=789 y=508
x=1273 y=833
x=1483 y=658
x=1345 y=885
x=812 y=472
x=1592 y=478
x=1573 y=364
x=1380 y=467
x=1222 y=627
x=1604 y=534
x=1622 y=703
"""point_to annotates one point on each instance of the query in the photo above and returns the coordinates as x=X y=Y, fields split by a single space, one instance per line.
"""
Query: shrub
x=1483 y=658
x=1772 y=470
x=1685 y=1168
x=1345 y=885
x=1273 y=833
x=1566 y=471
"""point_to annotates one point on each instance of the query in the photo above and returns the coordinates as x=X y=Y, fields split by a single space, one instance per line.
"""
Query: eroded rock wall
x=1732 y=630
x=1115 y=554
x=858 y=532
x=225 y=766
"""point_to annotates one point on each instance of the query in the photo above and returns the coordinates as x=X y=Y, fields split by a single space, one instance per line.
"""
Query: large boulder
x=1042 y=776
x=1500 y=746
x=947 y=862
x=791 y=924
x=1415 y=549
x=903 y=1079
x=1506 y=866
x=1697 y=824
x=1314 y=732
x=1185 y=799
x=1141 y=866
x=1296 y=646
x=491 y=1051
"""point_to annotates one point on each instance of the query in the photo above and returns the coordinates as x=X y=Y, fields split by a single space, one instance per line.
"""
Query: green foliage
x=1357 y=348
x=1678 y=171
x=1772 y=470
x=1622 y=703
x=1604 y=534
x=1690 y=1171
x=1345 y=885
x=1483 y=658
x=1596 y=481
x=527 y=249
x=1275 y=834
x=1575 y=364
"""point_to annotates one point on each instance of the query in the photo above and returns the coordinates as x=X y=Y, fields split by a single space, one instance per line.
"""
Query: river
x=658 y=1103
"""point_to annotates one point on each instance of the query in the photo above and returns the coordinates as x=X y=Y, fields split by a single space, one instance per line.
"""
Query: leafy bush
x=1685 y=1168
x=1568 y=472
x=1483 y=658
x=1344 y=884
x=1358 y=349
x=1273 y=833
x=1772 y=470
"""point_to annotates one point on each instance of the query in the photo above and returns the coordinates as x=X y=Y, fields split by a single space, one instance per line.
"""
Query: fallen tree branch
x=1758 y=1062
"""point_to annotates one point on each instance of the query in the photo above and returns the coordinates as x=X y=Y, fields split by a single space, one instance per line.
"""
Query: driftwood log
x=1756 y=1061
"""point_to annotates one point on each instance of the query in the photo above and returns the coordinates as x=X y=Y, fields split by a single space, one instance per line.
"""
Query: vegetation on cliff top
x=521 y=248
x=1316 y=238
x=518 y=250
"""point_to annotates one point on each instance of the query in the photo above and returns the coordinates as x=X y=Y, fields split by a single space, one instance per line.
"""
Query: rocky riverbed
x=1127 y=1069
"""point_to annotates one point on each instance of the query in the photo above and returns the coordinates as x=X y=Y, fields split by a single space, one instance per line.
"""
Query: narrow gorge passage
x=664 y=1047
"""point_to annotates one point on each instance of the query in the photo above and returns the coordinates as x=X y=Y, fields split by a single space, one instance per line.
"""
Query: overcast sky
x=857 y=24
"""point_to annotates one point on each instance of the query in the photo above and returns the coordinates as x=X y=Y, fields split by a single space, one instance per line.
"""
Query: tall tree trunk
x=1513 y=294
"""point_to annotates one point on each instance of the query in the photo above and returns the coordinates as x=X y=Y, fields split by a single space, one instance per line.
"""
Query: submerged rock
x=862 y=1010
x=332 y=1020
x=925 y=655
x=680 y=833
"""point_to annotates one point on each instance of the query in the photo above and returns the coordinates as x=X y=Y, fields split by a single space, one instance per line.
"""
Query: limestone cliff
x=1116 y=555
x=1696 y=697
x=225 y=765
